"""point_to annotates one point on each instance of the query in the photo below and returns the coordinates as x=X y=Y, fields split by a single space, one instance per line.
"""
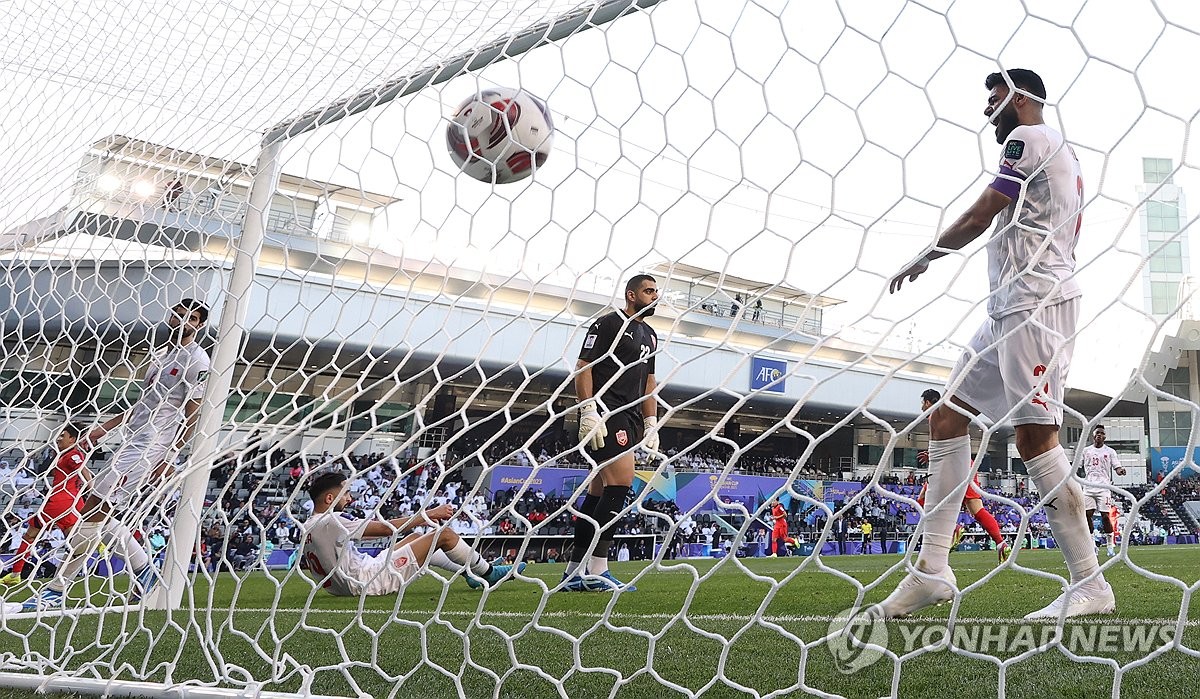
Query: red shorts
x=973 y=492
x=780 y=532
x=60 y=512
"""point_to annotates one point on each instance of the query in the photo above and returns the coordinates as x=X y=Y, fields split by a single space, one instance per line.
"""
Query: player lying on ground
x=1016 y=366
x=157 y=428
x=331 y=557
x=61 y=508
x=1099 y=463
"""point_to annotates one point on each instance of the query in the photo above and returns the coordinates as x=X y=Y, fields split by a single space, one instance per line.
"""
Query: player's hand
x=591 y=427
x=652 y=442
x=441 y=513
x=1120 y=470
x=914 y=269
x=923 y=457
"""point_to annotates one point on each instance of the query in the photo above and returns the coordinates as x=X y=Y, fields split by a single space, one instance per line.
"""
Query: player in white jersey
x=331 y=557
x=1016 y=365
x=157 y=427
x=1099 y=463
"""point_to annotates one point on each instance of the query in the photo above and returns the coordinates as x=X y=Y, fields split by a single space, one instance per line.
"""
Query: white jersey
x=1033 y=245
x=330 y=553
x=176 y=375
x=1098 y=464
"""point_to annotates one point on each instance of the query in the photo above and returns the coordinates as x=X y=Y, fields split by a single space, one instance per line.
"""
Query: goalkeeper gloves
x=591 y=427
x=650 y=424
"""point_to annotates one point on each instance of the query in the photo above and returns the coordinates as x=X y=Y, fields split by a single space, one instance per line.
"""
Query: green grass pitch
x=438 y=641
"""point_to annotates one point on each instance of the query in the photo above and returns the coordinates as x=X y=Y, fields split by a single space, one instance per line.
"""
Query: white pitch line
x=662 y=616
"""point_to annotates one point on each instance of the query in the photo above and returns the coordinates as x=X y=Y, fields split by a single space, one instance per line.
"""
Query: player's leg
x=985 y=519
x=447 y=550
x=17 y=564
x=585 y=531
x=977 y=377
x=107 y=492
x=1034 y=361
x=1108 y=524
x=607 y=493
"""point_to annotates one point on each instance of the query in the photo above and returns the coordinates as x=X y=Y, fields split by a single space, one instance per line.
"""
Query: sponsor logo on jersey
x=622 y=437
x=1014 y=149
x=589 y=342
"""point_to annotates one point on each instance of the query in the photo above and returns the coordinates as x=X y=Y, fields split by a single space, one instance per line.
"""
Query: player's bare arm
x=966 y=228
x=403 y=525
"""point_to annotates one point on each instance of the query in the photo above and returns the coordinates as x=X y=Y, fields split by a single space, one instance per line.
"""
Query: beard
x=644 y=311
x=1006 y=121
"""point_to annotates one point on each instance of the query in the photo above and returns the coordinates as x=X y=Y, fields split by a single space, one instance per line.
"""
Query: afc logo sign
x=768 y=375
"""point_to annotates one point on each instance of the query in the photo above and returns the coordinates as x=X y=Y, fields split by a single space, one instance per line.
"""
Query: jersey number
x=314 y=564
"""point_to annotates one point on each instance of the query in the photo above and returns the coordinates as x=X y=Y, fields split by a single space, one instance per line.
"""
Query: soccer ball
x=500 y=135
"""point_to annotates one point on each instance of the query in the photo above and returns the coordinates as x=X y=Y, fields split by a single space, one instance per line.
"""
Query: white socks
x=597 y=565
x=82 y=540
x=462 y=555
x=949 y=464
x=1064 y=510
x=127 y=547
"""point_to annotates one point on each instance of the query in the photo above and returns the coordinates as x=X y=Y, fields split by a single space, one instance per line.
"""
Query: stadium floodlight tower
x=184 y=540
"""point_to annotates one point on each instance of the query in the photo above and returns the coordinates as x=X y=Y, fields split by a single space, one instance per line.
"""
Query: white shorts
x=1020 y=361
x=388 y=571
x=1097 y=500
x=130 y=469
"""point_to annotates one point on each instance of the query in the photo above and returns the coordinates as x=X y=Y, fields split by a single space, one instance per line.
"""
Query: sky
x=813 y=144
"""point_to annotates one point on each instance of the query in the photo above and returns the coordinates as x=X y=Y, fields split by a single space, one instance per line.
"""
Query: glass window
x=1174 y=427
x=1164 y=297
x=1156 y=170
x=1162 y=217
x=370 y=416
x=1178 y=382
x=1168 y=259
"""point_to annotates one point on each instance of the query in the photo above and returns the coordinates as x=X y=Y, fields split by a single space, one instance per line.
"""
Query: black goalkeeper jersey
x=624 y=349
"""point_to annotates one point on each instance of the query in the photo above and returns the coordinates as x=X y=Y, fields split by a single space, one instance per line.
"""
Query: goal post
x=380 y=312
x=246 y=250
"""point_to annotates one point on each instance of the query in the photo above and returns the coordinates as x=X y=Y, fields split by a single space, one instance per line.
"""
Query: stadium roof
x=188 y=162
x=729 y=282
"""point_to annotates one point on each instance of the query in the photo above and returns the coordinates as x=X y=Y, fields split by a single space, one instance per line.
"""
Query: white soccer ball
x=500 y=135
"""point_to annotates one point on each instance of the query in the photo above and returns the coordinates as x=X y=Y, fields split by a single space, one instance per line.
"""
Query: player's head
x=328 y=491
x=187 y=317
x=1020 y=108
x=1098 y=436
x=641 y=293
x=928 y=398
x=68 y=436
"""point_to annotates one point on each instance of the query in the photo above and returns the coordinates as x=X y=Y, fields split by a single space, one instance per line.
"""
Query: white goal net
x=238 y=256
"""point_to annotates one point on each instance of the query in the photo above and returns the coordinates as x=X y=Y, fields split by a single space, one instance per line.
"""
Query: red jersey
x=779 y=515
x=66 y=477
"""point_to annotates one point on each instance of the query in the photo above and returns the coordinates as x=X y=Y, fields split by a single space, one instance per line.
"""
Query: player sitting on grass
x=331 y=558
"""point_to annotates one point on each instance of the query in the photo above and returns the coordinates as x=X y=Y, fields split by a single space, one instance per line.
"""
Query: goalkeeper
x=615 y=374
x=331 y=558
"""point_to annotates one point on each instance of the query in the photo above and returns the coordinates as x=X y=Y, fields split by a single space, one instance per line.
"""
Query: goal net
x=238 y=255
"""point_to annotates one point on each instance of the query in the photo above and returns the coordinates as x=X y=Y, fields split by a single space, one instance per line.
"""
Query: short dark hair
x=74 y=429
x=931 y=395
x=636 y=281
x=1023 y=78
x=194 y=305
x=1098 y=428
x=322 y=483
